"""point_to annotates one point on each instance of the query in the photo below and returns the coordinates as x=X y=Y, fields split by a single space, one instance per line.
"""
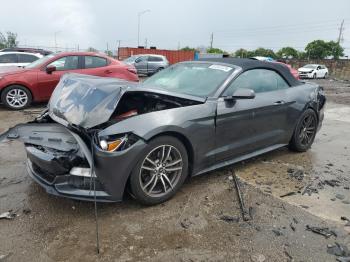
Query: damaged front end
x=69 y=138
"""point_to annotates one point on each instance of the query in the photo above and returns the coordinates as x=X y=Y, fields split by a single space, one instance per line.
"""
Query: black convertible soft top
x=247 y=64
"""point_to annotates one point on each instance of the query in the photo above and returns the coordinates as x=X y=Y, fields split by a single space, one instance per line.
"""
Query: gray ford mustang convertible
x=186 y=120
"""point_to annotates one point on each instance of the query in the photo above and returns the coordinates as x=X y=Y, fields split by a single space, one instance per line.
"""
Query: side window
x=23 y=58
x=8 y=58
x=141 y=59
x=259 y=80
x=155 y=59
x=66 y=63
x=95 y=61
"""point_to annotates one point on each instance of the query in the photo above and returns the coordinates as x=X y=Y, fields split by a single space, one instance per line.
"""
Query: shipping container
x=173 y=56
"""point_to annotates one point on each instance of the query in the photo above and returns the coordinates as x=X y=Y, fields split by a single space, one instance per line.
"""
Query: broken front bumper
x=78 y=188
x=53 y=152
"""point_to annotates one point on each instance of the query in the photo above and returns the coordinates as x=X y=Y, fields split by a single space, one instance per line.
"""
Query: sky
x=170 y=24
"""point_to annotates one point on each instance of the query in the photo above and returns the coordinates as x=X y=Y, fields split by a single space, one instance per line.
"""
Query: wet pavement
x=190 y=227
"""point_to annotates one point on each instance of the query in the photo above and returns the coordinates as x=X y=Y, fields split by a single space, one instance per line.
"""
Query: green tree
x=109 y=53
x=318 y=49
x=287 y=52
x=302 y=55
x=187 y=48
x=242 y=53
x=91 y=49
x=215 y=51
x=264 y=52
x=10 y=40
x=335 y=49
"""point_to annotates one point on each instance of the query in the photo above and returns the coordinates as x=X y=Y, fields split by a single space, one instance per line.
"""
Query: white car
x=17 y=58
x=313 y=71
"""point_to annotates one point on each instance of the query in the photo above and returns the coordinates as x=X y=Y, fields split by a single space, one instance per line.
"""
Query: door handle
x=108 y=71
x=280 y=102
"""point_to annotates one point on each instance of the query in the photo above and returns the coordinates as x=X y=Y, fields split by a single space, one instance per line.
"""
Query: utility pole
x=56 y=40
x=211 y=40
x=139 y=24
x=118 y=48
x=341 y=29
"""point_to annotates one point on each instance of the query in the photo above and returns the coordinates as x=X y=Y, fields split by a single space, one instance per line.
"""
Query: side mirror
x=243 y=93
x=50 y=69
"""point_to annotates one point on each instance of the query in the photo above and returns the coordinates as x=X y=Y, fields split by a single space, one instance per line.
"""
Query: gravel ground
x=203 y=221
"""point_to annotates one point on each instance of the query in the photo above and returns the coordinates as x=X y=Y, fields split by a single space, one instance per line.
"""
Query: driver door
x=246 y=125
x=48 y=81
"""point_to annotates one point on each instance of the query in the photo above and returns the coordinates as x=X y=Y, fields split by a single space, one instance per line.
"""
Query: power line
x=319 y=23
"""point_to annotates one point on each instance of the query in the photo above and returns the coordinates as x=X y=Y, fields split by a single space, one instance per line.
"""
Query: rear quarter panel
x=304 y=96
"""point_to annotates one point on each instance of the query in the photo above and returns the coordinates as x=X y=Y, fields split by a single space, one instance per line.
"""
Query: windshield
x=130 y=59
x=40 y=61
x=197 y=79
x=311 y=66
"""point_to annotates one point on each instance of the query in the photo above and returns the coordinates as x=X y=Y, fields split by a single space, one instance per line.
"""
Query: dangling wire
x=93 y=176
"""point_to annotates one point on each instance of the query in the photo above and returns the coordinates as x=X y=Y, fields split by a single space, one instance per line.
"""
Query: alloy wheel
x=161 y=170
x=307 y=130
x=17 y=98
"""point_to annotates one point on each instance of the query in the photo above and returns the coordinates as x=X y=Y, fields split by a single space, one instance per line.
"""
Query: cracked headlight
x=117 y=142
x=112 y=144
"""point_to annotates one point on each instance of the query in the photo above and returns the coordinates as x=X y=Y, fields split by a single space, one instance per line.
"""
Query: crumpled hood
x=85 y=100
x=88 y=101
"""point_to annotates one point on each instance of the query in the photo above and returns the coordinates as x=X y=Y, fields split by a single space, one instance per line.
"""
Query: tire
x=325 y=75
x=305 y=132
x=16 y=97
x=150 y=182
x=159 y=69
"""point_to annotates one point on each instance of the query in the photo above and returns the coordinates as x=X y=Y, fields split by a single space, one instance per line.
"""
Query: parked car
x=36 y=81
x=313 y=71
x=17 y=58
x=27 y=50
x=293 y=71
x=186 y=120
x=148 y=64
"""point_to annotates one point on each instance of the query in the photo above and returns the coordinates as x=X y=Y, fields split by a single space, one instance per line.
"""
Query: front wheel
x=16 y=97
x=160 y=172
x=305 y=132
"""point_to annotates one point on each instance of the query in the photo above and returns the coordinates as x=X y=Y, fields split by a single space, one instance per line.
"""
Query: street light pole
x=56 y=40
x=138 y=24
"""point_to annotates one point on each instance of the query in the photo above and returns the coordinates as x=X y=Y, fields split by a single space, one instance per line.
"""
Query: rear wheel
x=160 y=172
x=16 y=97
x=305 y=132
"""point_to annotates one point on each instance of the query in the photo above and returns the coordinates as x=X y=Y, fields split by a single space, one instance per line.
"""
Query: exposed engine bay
x=138 y=103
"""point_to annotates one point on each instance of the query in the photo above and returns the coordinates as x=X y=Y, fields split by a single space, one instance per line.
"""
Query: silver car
x=148 y=64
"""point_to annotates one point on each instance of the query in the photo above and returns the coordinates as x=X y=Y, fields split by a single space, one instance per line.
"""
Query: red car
x=36 y=82
x=293 y=71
